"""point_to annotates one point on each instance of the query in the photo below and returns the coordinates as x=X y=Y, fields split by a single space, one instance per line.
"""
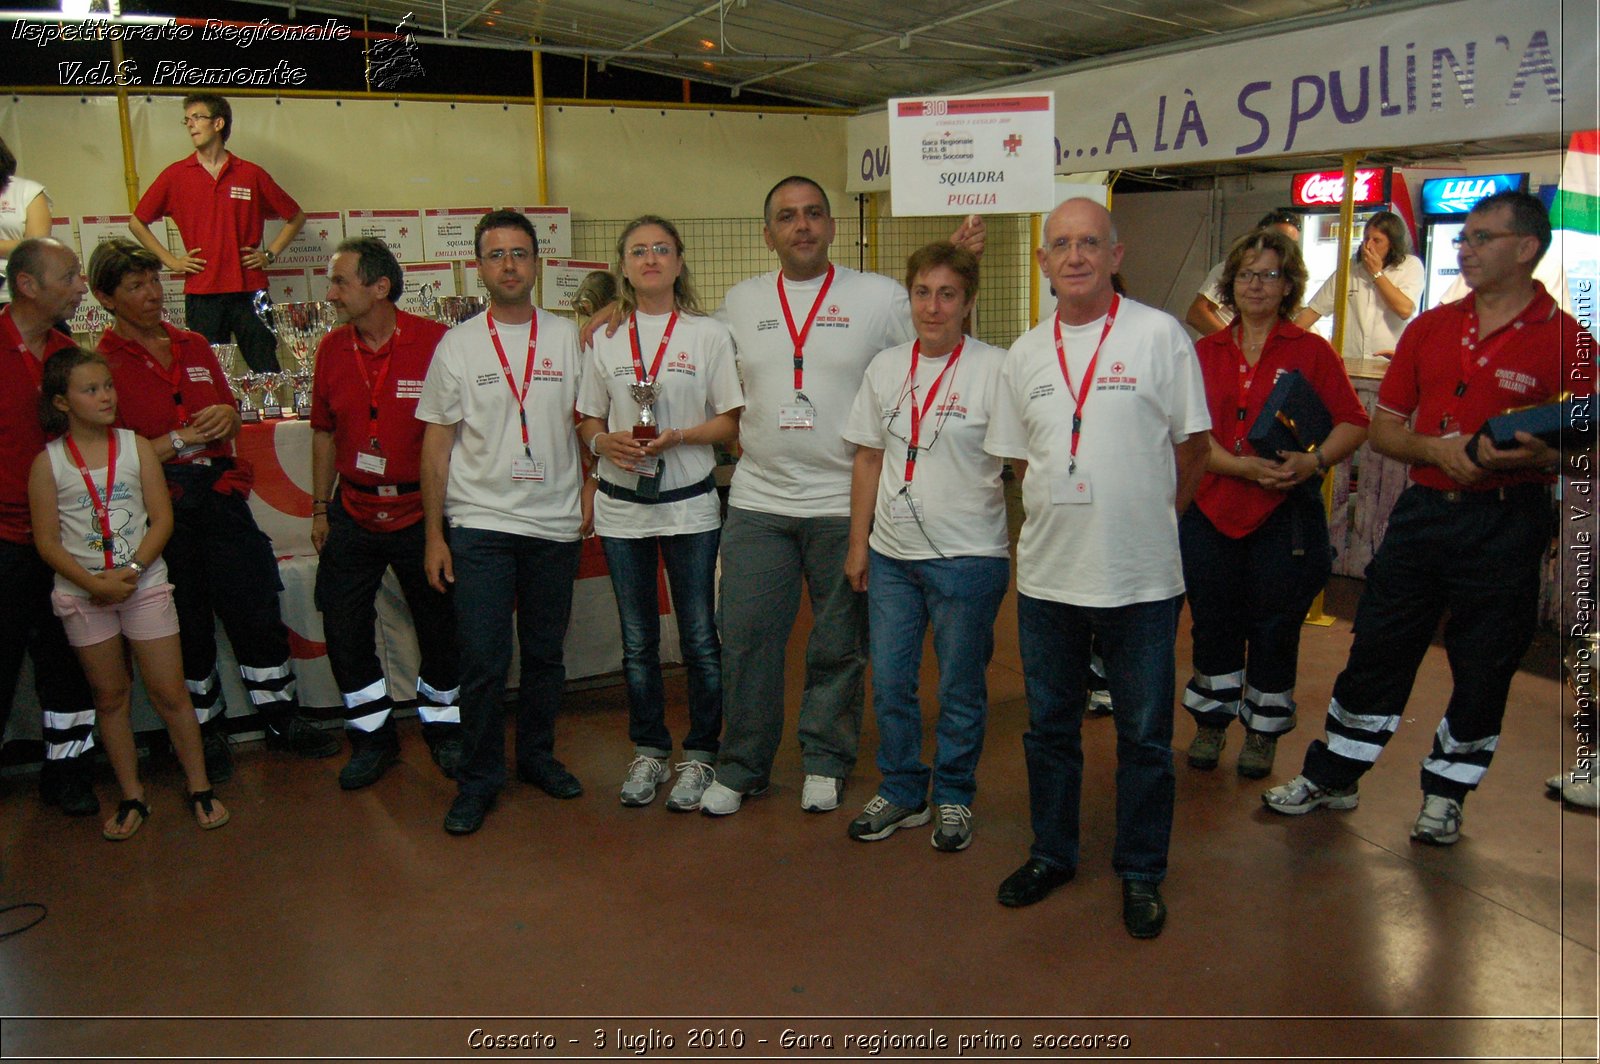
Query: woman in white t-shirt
x=928 y=543
x=1385 y=284
x=658 y=502
x=24 y=212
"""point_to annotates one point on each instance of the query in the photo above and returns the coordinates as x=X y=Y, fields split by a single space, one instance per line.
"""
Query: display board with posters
x=290 y=285
x=313 y=245
x=554 y=226
x=561 y=277
x=447 y=232
x=172 y=305
x=426 y=282
x=96 y=229
x=970 y=154
x=61 y=230
x=401 y=230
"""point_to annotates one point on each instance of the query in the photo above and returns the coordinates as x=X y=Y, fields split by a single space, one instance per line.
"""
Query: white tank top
x=80 y=529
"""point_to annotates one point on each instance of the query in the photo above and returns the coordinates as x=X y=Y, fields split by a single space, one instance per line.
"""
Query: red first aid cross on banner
x=1012 y=143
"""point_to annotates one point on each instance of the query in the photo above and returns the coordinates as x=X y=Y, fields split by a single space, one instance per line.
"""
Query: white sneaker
x=720 y=800
x=645 y=774
x=693 y=779
x=1439 y=823
x=821 y=793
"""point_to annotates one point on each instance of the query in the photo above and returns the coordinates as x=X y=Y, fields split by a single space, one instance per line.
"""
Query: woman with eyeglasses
x=1385 y=284
x=655 y=399
x=1255 y=543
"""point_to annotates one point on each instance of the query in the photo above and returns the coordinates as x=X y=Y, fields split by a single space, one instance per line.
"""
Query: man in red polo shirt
x=363 y=417
x=1470 y=533
x=219 y=202
x=46 y=286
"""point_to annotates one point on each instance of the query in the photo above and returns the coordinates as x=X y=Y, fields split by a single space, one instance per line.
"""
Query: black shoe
x=216 y=745
x=466 y=813
x=1032 y=882
x=1143 y=911
x=447 y=754
x=301 y=735
x=551 y=777
x=370 y=755
x=65 y=783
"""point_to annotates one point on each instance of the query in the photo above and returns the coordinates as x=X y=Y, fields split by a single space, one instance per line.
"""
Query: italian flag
x=1575 y=217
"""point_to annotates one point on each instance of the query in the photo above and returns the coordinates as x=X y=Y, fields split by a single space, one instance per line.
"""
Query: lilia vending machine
x=1446 y=202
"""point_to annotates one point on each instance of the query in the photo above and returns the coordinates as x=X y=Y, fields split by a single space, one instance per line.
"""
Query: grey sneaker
x=1439 y=823
x=954 y=832
x=645 y=774
x=1299 y=796
x=1577 y=787
x=882 y=818
x=822 y=793
x=1099 y=704
x=1255 y=759
x=693 y=779
x=1207 y=747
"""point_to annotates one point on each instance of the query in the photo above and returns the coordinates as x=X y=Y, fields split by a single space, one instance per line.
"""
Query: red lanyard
x=377 y=375
x=799 y=338
x=1473 y=361
x=102 y=508
x=173 y=376
x=1247 y=380
x=927 y=403
x=638 y=356
x=34 y=364
x=527 y=373
x=1081 y=394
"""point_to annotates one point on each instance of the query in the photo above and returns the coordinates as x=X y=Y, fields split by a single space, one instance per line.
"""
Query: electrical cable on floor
x=35 y=922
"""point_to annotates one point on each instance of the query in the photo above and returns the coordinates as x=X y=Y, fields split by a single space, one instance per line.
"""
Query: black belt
x=1510 y=493
x=388 y=491
x=622 y=494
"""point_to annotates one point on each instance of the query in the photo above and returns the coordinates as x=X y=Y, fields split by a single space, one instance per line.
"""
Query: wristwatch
x=138 y=570
x=177 y=442
x=270 y=255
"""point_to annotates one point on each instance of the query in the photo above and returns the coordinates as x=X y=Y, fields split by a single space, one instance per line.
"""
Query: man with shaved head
x=1102 y=405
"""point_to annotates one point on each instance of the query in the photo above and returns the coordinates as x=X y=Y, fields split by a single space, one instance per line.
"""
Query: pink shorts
x=146 y=614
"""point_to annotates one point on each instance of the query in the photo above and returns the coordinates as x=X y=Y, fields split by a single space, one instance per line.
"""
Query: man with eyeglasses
x=1469 y=534
x=219 y=202
x=501 y=473
x=1102 y=409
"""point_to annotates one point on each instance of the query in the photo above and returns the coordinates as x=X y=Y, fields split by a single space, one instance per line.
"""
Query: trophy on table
x=237 y=373
x=645 y=393
x=453 y=310
x=299 y=328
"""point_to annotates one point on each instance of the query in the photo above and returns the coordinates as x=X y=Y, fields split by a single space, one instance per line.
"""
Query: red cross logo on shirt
x=683 y=356
x=1012 y=143
x=833 y=309
x=547 y=363
x=1117 y=368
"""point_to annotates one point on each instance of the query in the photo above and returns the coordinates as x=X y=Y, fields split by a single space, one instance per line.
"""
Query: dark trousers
x=1476 y=557
x=498 y=575
x=28 y=625
x=222 y=567
x=228 y=318
x=1248 y=598
x=349 y=572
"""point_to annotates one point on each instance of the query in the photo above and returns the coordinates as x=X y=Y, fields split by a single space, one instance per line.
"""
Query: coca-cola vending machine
x=1319 y=196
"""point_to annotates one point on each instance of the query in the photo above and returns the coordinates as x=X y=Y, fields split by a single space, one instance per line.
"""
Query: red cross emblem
x=323 y=234
x=683 y=356
x=548 y=363
x=1012 y=143
x=833 y=308
x=404 y=231
x=1117 y=368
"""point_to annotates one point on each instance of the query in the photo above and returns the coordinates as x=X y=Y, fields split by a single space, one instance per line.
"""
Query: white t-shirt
x=806 y=472
x=467 y=387
x=1372 y=327
x=14 y=200
x=1211 y=288
x=699 y=380
x=1121 y=547
x=957 y=507
x=80 y=528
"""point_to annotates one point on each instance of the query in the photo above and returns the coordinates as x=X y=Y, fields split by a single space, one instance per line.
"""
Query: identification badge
x=524 y=468
x=190 y=449
x=801 y=416
x=905 y=508
x=371 y=463
x=647 y=466
x=1070 y=488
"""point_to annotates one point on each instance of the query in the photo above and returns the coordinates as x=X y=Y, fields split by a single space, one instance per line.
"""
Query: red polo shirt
x=218 y=216
x=1533 y=359
x=350 y=380
x=1234 y=505
x=145 y=394
x=21 y=435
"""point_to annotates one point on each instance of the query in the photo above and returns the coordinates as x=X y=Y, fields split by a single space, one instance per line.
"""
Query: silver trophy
x=453 y=310
x=299 y=328
x=237 y=372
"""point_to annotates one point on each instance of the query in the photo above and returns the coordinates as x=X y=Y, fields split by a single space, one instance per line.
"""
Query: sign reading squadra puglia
x=963 y=154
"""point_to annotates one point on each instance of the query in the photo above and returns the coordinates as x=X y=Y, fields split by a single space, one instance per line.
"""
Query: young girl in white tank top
x=101 y=516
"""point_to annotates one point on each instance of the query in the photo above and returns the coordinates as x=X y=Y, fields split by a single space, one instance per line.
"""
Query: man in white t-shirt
x=1105 y=404
x=1206 y=314
x=500 y=467
x=805 y=334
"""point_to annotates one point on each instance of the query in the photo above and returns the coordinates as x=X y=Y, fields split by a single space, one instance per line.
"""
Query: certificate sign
x=94 y=230
x=288 y=284
x=61 y=229
x=561 y=279
x=424 y=284
x=313 y=245
x=172 y=304
x=972 y=154
x=447 y=232
x=401 y=230
x=554 y=226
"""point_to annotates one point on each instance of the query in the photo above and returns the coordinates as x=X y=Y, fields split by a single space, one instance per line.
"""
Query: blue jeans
x=1137 y=641
x=691 y=563
x=499 y=574
x=961 y=596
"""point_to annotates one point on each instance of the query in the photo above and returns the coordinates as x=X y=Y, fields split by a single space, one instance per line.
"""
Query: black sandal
x=124 y=807
x=201 y=800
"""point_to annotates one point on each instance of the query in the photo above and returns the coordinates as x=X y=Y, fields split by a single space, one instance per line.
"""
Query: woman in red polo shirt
x=1255 y=542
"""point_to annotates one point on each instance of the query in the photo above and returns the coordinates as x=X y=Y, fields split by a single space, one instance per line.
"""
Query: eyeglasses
x=501 y=254
x=660 y=251
x=1249 y=277
x=1478 y=237
x=189 y=120
x=1088 y=245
